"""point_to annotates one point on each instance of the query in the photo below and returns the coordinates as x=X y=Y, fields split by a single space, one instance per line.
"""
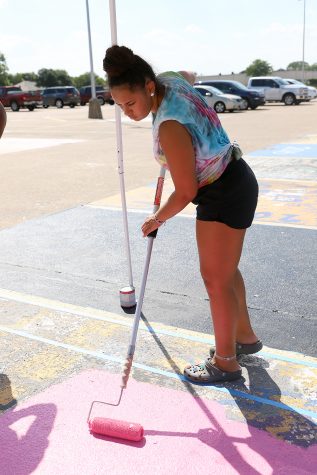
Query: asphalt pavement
x=63 y=334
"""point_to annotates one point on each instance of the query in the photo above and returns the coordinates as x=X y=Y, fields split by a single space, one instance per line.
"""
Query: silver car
x=312 y=91
x=219 y=101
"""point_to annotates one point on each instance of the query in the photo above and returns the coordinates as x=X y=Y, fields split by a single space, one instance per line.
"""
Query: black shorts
x=231 y=199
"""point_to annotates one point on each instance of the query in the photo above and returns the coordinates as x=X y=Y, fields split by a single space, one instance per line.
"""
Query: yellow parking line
x=117 y=319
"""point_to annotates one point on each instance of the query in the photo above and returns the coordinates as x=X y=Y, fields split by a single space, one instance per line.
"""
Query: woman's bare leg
x=220 y=249
x=245 y=333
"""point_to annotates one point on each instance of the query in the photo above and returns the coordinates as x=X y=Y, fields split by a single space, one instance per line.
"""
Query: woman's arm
x=178 y=149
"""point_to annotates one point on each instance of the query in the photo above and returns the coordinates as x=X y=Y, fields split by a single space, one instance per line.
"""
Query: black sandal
x=208 y=373
x=243 y=348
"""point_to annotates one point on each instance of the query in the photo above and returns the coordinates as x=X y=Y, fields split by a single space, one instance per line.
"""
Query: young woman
x=209 y=171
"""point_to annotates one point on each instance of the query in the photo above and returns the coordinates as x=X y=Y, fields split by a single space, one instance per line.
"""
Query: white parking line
x=11 y=145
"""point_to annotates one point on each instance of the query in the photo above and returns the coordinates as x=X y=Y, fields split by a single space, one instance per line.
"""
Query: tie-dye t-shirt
x=187 y=106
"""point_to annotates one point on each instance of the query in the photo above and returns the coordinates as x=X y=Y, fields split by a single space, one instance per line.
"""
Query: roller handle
x=153 y=233
x=157 y=198
x=126 y=371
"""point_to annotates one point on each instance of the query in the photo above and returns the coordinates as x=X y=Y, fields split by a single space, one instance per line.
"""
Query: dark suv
x=103 y=95
x=60 y=96
x=250 y=98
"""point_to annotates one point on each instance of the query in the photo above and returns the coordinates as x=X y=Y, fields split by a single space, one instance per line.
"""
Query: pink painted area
x=183 y=435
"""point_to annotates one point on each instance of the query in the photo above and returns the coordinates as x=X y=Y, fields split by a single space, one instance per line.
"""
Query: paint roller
x=115 y=428
x=112 y=427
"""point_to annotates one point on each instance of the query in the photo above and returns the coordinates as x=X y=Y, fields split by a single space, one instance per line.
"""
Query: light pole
x=303 y=58
x=94 y=106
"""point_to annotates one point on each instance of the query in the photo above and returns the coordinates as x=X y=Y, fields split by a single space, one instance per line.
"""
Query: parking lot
x=63 y=334
x=54 y=159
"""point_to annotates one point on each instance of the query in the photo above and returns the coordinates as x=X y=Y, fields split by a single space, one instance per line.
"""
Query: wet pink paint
x=49 y=434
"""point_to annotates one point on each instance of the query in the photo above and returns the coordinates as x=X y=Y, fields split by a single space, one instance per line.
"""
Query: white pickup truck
x=277 y=89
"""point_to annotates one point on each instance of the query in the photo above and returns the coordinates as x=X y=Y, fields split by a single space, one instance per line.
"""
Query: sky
x=206 y=36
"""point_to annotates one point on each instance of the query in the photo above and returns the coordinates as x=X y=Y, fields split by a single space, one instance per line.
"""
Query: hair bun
x=118 y=60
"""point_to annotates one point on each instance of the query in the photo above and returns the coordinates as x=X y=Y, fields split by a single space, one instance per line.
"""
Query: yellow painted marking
x=142 y=198
x=281 y=202
x=196 y=338
x=287 y=202
x=47 y=364
x=96 y=332
x=94 y=313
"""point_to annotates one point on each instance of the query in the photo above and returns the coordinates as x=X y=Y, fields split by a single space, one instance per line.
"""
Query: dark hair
x=124 y=67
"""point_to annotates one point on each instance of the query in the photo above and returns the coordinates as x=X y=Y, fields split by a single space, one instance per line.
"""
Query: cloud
x=10 y=42
x=280 y=28
x=162 y=36
x=194 y=29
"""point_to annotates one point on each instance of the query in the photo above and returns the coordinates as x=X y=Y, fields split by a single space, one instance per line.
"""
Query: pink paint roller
x=115 y=428
x=111 y=427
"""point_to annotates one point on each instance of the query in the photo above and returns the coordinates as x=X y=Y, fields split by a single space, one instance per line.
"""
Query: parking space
x=63 y=334
x=263 y=424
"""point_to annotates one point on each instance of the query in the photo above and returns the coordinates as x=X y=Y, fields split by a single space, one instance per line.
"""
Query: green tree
x=297 y=65
x=15 y=78
x=4 y=77
x=18 y=77
x=312 y=67
x=259 y=68
x=84 y=80
x=53 y=77
x=30 y=76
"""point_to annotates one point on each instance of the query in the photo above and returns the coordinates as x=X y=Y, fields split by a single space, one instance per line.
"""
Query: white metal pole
x=92 y=74
x=127 y=294
x=304 y=26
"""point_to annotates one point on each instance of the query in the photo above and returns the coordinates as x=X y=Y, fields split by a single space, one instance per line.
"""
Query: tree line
x=59 y=77
x=46 y=77
x=263 y=68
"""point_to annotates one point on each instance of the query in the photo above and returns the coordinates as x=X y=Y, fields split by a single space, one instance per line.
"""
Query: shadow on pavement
x=23 y=446
x=285 y=425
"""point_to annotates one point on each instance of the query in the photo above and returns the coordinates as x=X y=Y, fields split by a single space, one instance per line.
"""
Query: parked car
x=218 y=101
x=312 y=91
x=277 y=89
x=250 y=98
x=60 y=96
x=103 y=95
x=14 y=97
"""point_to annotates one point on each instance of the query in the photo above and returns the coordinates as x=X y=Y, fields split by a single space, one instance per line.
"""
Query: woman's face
x=135 y=103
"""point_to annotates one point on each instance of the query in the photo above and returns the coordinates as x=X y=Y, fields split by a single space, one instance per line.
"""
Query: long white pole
x=92 y=74
x=113 y=25
x=304 y=27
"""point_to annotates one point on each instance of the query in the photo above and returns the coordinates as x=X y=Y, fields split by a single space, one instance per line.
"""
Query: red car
x=102 y=94
x=14 y=97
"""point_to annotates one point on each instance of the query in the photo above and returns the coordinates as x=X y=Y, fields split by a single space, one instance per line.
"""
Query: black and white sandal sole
x=208 y=373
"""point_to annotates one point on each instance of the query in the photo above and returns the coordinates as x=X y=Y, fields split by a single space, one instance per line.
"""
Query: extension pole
x=127 y=294
x=129 y=358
